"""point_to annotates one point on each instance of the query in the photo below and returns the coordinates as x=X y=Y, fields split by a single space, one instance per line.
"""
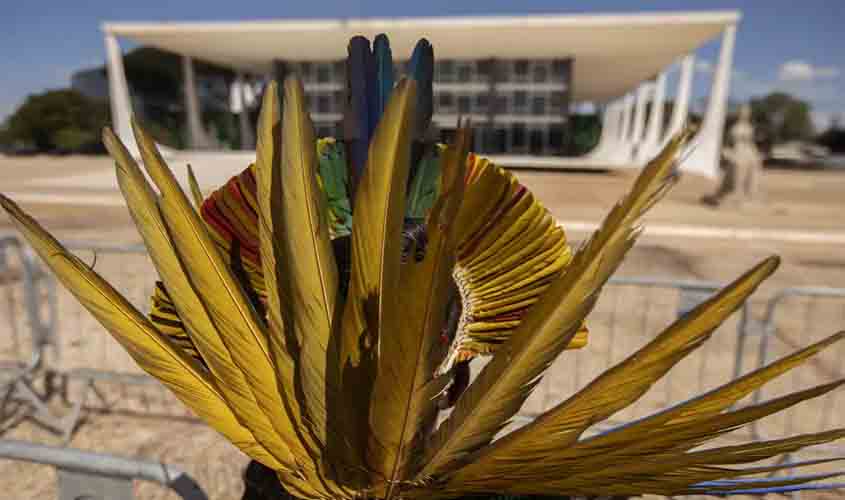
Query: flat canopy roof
x=613 y=53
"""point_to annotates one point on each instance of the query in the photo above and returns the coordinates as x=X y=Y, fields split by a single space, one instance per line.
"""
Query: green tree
x=780 y=117
x=58 y=120
x=833 y=138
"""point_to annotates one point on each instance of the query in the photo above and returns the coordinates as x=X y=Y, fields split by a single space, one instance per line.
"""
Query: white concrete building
x=514 y=76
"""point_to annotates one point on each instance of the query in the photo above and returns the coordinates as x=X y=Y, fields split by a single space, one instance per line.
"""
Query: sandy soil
x=625 y=318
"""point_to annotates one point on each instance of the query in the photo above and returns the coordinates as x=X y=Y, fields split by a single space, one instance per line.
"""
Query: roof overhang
x=613 y=53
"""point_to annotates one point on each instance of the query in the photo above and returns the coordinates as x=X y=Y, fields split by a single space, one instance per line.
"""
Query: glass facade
x=516 y=106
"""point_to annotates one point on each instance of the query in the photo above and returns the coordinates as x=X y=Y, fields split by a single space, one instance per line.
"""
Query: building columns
x=649 y=146
x=197 y=138
x=705 y=157
x=245 y=130
x=643 y=92
x=627 y=109
x=121 y=104
x=609 y=139
x=680 y=110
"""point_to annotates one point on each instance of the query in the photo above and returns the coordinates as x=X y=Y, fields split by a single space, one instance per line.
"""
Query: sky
x=781 y=44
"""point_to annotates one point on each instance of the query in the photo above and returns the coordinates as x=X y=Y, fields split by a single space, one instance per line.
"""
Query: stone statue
x=740 y=183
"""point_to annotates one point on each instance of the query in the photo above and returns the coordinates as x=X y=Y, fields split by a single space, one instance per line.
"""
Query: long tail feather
x=421 y=69
x=275 y=165
x=616 y=388
x=142 y=203
x=384 y=75
x=399 y=403
x=241 y=329
x=356 y=121
x=657 y=456
x=371 y=307
x=308 y=278
x=153 y=353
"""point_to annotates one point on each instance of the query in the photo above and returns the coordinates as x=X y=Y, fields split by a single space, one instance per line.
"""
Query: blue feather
x=356 y=121
x=421 y=69
x=384 y=74
x=758 y=486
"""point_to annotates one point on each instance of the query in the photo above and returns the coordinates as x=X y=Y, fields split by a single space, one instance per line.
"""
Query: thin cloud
x=803 y=71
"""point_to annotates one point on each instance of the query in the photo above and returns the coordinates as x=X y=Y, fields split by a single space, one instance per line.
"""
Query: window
x=446 y=100
x=464 y=104
x=538 y=106
x=541 y=74
x=340 y=100
x=305 y=71
x=520 y=99
x=483 y=68
x=464 y=72
x=339 y=68
x=520 y=69
x=323 y=73
x=501 y=105
x=518 y=136
x=323 y=104
x=481 y=101
x=560 y=69
x=557 y=99
x=446 y=71
x=537 y=141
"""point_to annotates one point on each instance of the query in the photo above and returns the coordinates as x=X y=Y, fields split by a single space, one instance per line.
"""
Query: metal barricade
x=97 y=476
x=630 y=313
x=95 y=370
x=796 y=317
x=26 y=334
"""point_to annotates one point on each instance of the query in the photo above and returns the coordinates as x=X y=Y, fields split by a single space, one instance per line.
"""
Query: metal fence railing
x=96 y=371
x=796 y=317
x=26 y=336
x=629 y=313
x=97 y=476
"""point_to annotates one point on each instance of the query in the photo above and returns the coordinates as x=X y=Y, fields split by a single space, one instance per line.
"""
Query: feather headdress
x=319 y=308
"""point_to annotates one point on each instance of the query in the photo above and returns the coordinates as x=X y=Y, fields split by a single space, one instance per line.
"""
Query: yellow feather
x=653 y=455
x=153 y=353
x=240 y=328
x=649 y=434
x=616 y=388
x=399 y=404
x=290 y=237
x=310 y=285
x=142 y=203
x=504 y=383
x=371 y=307
x=196 y=192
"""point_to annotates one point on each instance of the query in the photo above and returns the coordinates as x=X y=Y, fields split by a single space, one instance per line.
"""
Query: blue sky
x=781 y=44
